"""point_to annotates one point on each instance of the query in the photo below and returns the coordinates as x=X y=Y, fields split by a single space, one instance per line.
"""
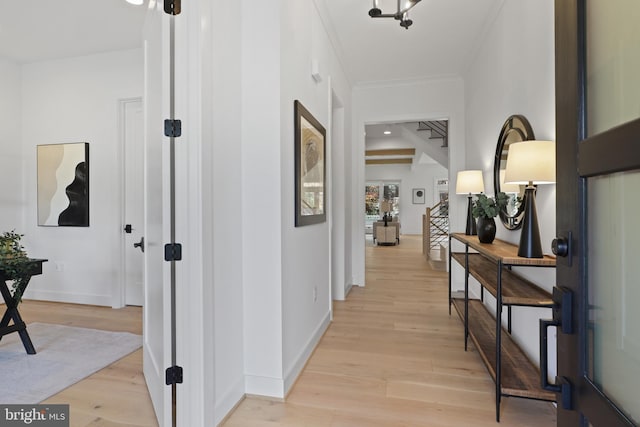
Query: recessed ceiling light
x=387 y=132
x=136 y=2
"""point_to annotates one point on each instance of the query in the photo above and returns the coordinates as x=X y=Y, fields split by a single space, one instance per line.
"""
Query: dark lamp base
x=530 y=246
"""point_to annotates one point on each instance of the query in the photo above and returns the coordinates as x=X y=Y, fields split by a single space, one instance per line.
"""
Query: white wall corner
x=264 y=386
x=228 y=401
x=298 y=365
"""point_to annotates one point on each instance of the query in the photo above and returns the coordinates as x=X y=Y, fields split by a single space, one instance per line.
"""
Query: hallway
x=393 y=357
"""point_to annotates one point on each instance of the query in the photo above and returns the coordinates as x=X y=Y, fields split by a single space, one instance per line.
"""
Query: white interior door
x=156 y=321
x=133 y=227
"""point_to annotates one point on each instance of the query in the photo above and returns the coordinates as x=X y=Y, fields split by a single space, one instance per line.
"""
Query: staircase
x=435 y=230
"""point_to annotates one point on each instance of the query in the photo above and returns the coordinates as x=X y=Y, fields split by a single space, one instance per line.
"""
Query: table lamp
x=470 y=182
x=531 y=162
x=386 y=207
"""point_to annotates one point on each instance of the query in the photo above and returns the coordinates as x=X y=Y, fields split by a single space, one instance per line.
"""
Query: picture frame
x=310 y=168
x=418 y=196
x=63 y=185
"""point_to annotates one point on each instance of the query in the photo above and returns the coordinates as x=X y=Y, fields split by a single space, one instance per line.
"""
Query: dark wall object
x=515 y=129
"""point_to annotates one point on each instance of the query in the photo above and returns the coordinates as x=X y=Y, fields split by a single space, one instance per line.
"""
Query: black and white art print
x=63 y=185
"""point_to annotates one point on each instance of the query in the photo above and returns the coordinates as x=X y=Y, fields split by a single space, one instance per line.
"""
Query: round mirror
x=515 y=129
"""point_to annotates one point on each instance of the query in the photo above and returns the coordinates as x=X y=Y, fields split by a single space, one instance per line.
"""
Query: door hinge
x=172 y=128
x=173 y=375
x=173 y=252
x=172 y=7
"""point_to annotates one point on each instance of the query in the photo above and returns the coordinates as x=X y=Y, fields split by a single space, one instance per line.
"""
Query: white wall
x=261 y=194
x=410 y=177
x=306 y=251
x=264 y=268
x=11 y=199
x=513 y=73
x=393 y=102
x=76 y=100
x=226 y=188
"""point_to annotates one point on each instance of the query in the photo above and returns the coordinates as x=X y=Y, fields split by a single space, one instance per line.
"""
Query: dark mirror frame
x=515 y=129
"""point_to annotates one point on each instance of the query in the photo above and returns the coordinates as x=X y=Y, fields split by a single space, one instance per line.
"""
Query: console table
x=490 y=264
x=33 y=267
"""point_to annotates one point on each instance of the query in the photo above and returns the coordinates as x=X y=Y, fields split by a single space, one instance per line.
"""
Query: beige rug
x=65 y=355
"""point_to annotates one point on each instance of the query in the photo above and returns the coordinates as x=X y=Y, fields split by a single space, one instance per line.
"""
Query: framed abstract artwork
x=418 y=196
x=63 y=185
x=310 y=166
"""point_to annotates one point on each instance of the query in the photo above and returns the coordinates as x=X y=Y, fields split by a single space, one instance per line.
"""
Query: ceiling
x=440 y=42
x=34 y=30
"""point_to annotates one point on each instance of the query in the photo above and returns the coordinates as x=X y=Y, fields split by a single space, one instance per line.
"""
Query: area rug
x=65 y=355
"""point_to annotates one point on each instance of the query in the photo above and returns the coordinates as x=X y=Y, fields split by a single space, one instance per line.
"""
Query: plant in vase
x=486 y=209
x=13 y=259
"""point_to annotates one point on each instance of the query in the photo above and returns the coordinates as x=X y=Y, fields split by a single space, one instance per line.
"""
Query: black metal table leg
x=450 y=299
x=466 y=296
x=499 y=342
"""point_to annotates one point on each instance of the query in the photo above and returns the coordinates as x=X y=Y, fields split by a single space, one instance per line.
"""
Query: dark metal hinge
x=173 y=252
x=173 y=375
x=172 y=7
x=172 y=128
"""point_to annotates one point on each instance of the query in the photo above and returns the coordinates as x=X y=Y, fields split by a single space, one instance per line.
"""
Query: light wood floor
x=117 y=395
x=392 y=357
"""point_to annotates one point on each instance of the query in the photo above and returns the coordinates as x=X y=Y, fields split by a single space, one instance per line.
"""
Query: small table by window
x=34 y=267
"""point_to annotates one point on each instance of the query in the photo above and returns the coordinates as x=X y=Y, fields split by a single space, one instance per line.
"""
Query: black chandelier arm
x=400 y=15
x=387 y=15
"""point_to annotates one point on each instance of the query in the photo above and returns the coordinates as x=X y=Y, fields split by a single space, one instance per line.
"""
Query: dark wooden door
x=598 y=209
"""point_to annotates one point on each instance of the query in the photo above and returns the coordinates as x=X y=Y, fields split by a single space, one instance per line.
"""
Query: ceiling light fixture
x=402 y=14
x=136 y=2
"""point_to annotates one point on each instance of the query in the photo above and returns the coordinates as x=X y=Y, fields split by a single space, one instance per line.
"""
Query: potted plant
x=486 y=209
x=12 y=261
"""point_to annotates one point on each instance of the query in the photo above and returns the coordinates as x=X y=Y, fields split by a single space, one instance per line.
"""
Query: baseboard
x=74 y=298
x=229 y=402
x=264 y=386
x=291 y=375
x=348 y=289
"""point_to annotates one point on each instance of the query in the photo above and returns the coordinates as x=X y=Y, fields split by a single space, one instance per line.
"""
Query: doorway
x=132 y=149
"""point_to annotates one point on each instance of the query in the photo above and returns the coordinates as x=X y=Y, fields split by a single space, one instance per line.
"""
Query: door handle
x=140 y=244
x=562 y=318
x=561 y=246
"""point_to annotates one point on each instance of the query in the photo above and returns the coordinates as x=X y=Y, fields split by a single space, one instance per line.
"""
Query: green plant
x=488 y=207
x=13 y=259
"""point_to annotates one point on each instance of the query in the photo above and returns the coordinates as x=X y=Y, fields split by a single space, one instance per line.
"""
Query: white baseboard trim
x=74 y=298
x=291 y=374
x=348 y=289
x=229 y=401
x=264 y=386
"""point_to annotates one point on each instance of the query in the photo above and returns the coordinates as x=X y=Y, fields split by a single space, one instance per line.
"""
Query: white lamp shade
x=531 y=161
x=469 y=182
x=386 y=206
x=508 y=188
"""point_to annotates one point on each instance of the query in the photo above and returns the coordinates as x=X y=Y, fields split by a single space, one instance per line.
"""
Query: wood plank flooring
x=392 y=357
x=115 y=396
